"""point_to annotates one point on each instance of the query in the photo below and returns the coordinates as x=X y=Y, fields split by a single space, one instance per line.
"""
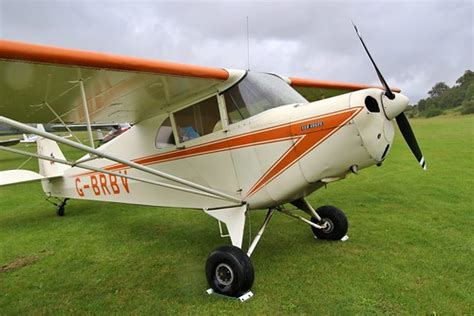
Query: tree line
x=442 y=98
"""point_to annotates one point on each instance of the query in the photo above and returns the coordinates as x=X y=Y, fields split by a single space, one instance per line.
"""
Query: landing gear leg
x=229 y=270
x=60 y=208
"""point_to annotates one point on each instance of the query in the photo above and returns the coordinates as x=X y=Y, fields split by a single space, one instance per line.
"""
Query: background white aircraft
x=221 y=140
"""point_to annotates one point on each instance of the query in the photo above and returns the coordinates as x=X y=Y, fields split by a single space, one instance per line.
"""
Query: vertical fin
x=49 y=148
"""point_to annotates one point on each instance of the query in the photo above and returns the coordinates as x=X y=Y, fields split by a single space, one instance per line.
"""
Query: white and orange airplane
x=221 y=140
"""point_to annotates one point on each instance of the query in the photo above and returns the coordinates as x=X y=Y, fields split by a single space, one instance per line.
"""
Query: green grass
x=411 y=246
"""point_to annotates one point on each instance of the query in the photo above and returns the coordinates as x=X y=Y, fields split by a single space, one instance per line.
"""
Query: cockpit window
x=165 y=137
x=197 y=120
x=256 y=93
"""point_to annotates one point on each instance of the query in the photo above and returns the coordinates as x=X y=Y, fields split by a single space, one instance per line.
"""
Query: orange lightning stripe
x=307 y=141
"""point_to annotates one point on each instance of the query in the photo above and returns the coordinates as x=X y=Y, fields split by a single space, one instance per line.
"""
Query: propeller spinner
x=394 y=107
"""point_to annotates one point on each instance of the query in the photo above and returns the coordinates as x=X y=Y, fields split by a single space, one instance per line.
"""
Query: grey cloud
x=415 y=43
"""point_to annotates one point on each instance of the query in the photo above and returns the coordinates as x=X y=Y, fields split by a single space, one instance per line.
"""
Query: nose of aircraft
x=394 y=104
x=393 y=107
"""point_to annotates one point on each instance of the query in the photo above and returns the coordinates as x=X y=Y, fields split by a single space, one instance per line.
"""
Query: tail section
x=47 y=169
x=50 y=148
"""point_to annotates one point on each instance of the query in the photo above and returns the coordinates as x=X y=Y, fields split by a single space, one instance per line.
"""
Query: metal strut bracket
x=303 y=205
x=289 y=213
x=62 y=121
x=260 y=232
x=244 y=297
x=234 y=219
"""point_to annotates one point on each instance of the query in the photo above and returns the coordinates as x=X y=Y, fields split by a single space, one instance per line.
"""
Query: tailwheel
x=60 y=211
x=334 y=223
x=229 y=271
x=60 y=207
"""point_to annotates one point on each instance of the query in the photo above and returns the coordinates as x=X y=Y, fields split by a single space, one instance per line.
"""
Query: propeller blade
x=388 y=92
x=407 y=133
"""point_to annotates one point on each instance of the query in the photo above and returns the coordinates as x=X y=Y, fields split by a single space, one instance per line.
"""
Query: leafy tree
x=433 y=112
x=422 y=105
x=442 y=97
x=470 y=91
x=467 y=78
x=438 y=90
x=467 y=107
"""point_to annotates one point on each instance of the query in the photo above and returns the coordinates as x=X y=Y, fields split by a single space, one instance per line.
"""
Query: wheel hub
x=329 y=225
x=224 y=274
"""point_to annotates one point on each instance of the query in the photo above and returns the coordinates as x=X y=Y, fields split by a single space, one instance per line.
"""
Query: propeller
x=409 y=136
x=388 y=91
x=402 y=120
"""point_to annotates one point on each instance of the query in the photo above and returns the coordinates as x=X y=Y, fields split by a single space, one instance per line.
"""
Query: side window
x=164 y=137
x=197 y=120
x=236 y=109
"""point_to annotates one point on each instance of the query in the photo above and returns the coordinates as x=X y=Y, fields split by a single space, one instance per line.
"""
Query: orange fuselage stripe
x=306 y=140
x=19 y=51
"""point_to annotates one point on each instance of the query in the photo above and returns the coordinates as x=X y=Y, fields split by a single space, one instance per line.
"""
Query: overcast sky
x=415 y=43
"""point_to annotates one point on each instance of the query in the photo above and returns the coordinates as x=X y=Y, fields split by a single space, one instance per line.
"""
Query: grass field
x=411 y=246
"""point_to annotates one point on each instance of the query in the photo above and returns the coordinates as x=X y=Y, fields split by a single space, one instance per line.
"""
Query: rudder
x=50 y=148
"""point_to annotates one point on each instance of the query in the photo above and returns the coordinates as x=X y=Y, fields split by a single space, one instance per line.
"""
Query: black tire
x=229 y=271
x=336 y=219
x=60 y=211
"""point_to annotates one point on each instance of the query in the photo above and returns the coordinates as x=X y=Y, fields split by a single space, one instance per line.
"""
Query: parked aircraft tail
x=50 y=148
x=47 y=169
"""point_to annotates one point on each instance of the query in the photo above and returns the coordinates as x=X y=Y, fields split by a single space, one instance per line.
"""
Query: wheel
x=229 y=271
x=336 y=220
x=60 y=211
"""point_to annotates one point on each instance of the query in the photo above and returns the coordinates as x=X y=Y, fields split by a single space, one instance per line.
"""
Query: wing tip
x=339 y=85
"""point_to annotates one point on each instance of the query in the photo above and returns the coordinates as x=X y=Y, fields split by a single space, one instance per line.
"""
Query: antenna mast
x=248 y=45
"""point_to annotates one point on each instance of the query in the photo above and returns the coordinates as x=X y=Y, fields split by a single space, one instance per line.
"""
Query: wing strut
x=86 y=112
x=61 y=120
x=126 y=162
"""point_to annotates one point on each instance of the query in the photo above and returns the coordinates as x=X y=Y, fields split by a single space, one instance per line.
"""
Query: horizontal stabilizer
x=9 y=177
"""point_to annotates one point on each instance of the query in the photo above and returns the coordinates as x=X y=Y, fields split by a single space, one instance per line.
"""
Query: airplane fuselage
x=274 y=157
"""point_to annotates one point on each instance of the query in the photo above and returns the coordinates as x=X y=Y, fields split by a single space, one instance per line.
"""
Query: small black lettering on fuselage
x=312 y=125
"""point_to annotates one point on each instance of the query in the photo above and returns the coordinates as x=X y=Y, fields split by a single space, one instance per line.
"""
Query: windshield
x=256 y=93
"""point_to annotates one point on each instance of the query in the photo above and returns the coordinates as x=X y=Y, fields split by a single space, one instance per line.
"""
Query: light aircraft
x=122 y=128
x=29 y=139
x=114 y=131
x=221 y=140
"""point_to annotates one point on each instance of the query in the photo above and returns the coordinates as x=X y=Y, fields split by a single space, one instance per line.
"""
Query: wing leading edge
x=314 y=90
x=118 y=88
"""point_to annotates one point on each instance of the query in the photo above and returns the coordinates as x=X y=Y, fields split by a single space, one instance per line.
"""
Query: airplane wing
x=118 y=89
x=39 y=83
x=314 y=90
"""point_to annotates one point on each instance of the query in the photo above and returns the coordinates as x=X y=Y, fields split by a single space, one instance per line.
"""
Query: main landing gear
x=229 y=270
